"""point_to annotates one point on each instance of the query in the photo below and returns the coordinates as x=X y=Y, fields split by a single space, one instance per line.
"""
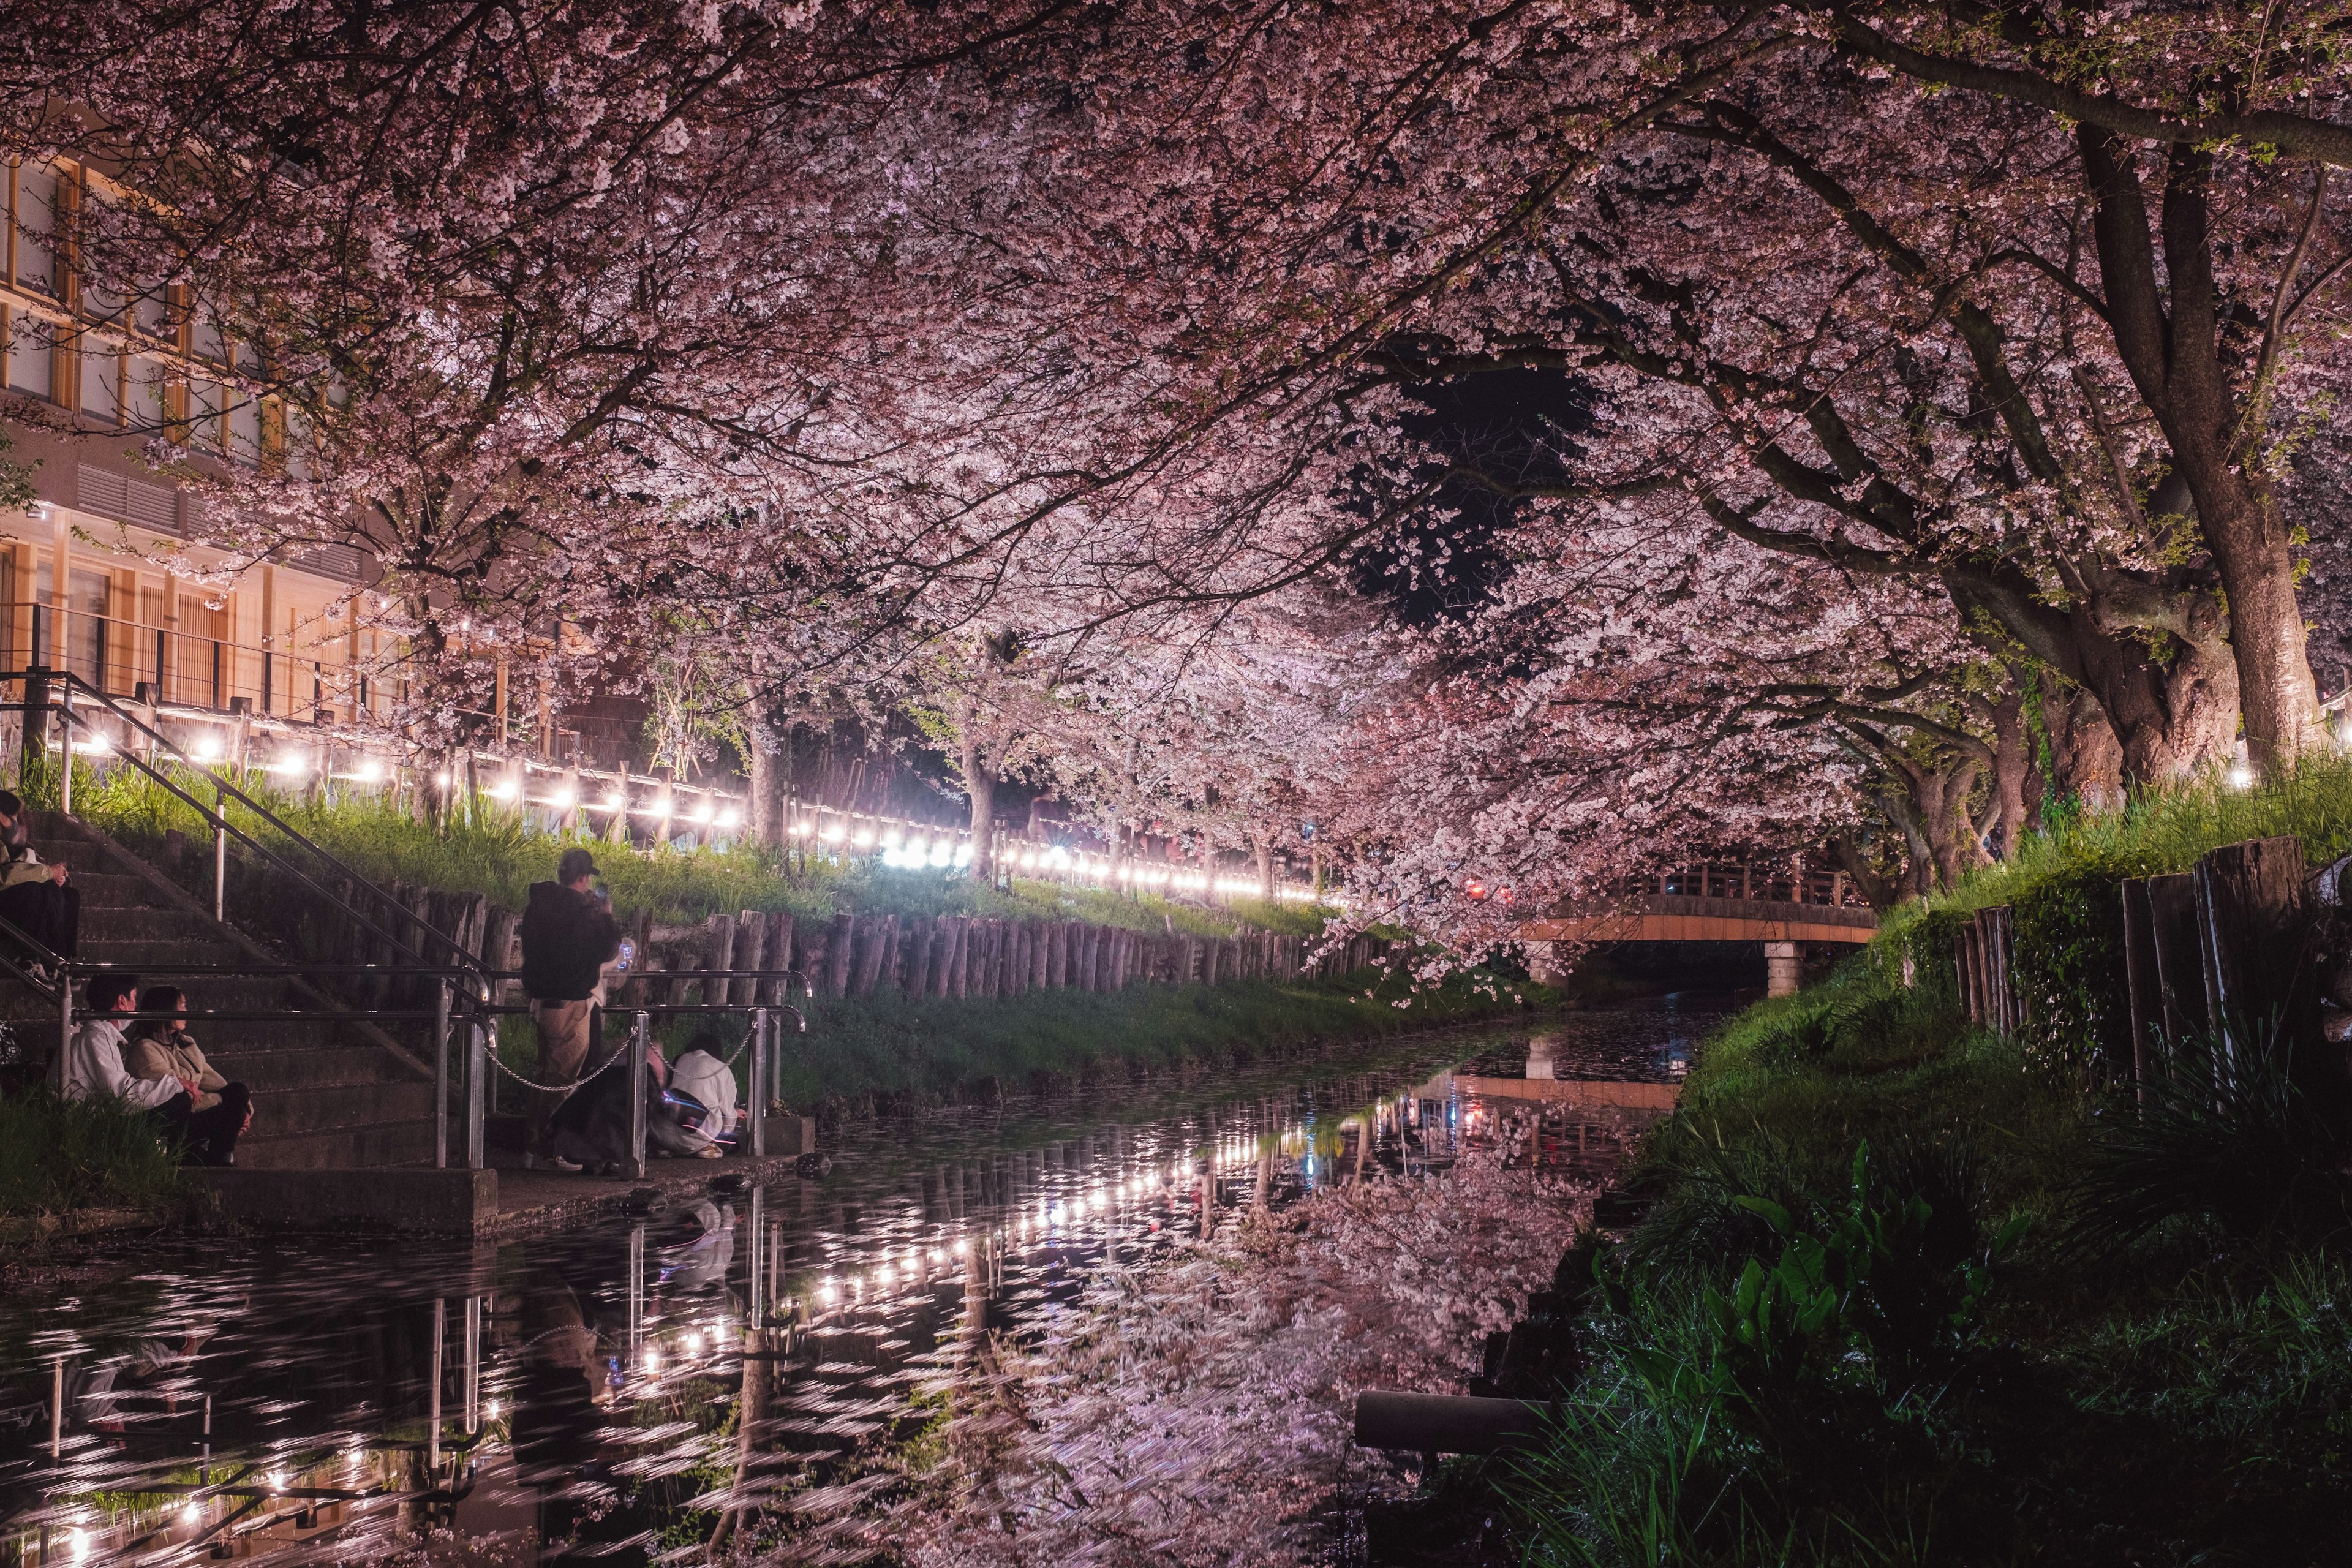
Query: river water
x=625 y=1390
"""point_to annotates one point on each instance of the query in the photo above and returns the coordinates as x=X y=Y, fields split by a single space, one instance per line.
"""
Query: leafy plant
x=2221 y=1130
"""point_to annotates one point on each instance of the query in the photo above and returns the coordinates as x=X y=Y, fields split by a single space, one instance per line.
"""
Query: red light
x=1474 y=887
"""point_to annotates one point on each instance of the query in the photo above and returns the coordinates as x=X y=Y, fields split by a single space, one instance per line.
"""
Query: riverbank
x=1901 y=1291
x=892 y=1053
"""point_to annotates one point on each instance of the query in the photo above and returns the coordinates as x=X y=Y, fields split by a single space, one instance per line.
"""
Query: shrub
x=58 y=1154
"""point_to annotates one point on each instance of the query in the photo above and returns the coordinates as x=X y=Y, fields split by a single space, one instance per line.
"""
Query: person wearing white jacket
x=91 y=1063
x=90 y=1068
x=700 y=1073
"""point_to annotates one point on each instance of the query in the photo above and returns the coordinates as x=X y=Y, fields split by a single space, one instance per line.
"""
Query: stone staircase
x=324 y=1095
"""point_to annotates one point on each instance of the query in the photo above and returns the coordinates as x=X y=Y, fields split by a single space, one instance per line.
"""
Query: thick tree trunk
x=2167 y=333
x=1263 y=848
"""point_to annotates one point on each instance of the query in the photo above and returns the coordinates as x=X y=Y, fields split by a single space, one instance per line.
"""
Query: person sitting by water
x=700 y=1074
x=591 y=1129
x=33 y=897
x=163 y=1049
x=90 y=1068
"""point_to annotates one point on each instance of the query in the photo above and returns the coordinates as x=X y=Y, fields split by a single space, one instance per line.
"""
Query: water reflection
x=716 y=1370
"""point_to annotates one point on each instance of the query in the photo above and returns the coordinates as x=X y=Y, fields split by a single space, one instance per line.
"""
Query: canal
x=771 y=1372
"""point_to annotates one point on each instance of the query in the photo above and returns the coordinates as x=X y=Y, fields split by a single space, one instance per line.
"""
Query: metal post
x=753 y=1232
x=759 y=1078
x=638 y=1099
x=441 y=1075
x=478 y=1074
x=473 y=1364
x=205 y=1474
x=65 y=752
x=220 y=853
x=440 y=1333
x=636 y=1288
x=58 y=1408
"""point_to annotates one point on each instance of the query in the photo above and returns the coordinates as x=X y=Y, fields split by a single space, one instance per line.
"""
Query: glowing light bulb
x=614 y=802
x=693 y=1344
x=491 y=1410
x=507 y=791
x=208 y=748
x=702 y=813
x=731 y=818
x=370 y=772
x=560 y=800
x=190 y=1514
x=652 y=1361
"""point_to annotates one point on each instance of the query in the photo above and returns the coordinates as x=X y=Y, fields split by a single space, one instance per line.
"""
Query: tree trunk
x=2167 y=333
x=1264 y=849
x=980 y=784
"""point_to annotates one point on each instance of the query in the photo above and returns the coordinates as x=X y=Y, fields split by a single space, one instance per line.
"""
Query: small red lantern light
x=1474 y=887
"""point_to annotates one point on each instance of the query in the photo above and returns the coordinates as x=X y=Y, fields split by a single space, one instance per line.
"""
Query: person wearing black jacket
x=568 y=937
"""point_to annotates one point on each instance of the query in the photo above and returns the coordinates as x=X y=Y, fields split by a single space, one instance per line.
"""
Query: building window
x=36 y=218
x=31 y=365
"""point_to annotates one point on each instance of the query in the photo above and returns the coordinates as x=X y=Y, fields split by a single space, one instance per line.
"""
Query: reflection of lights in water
x=277 y=1480
x=190 y=1514
x=653 y=1360
x=79 y=1543
x=693 y=1343
x=962 y=1246
x=825 y=1292
x=493 y=1411
x=936 y=1258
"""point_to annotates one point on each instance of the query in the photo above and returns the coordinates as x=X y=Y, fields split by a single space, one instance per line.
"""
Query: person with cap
x=568 y=937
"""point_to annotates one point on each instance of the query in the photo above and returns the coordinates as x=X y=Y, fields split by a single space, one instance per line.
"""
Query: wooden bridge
x=1721 y=904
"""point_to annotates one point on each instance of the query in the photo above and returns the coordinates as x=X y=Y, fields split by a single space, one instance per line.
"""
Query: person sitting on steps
x=163 y=1049
x=33 y=897
x=568 y=937
x=90 y=1068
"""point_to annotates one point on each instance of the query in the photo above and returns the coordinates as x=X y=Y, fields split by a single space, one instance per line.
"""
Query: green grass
x=58 y=1154
x=1906 y=1293
x=492 y=851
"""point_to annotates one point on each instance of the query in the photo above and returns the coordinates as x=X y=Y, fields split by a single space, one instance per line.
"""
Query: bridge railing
x=1731 y=879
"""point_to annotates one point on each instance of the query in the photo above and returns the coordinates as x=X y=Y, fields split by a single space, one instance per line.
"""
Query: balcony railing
x=163 y=667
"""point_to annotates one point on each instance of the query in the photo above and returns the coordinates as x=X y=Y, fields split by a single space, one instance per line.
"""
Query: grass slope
x=491 y=850
x=1906 y=1293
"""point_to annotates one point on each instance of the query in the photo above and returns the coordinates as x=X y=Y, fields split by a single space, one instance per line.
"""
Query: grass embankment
x=59 y=1155
x=492 y=850
x=1907 y=1294
x=937 y=1050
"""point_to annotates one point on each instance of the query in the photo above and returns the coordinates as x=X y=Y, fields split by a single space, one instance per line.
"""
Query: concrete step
x=294 y=1069
x=114 y=890
x=141 y=954
x=137 y=922
x=346 y=1148
x=328 y=1107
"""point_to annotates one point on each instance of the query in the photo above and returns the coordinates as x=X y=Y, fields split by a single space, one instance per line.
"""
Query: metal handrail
x=219 y=816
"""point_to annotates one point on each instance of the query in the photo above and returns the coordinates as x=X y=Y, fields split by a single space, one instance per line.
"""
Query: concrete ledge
x=791 y=1135
x=444 y=1202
